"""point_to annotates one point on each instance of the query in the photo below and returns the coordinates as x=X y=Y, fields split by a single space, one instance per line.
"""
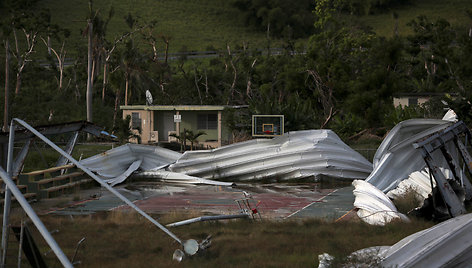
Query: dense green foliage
x=278 y=17
x=343 y=77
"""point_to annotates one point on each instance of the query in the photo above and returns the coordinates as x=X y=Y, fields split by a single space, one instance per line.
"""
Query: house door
x=165 y=124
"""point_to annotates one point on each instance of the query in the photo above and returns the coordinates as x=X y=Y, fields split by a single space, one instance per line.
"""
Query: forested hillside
x=331 y=70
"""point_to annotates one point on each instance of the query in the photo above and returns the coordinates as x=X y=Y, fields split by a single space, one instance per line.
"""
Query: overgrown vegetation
x=120 y=239
x=343 y=77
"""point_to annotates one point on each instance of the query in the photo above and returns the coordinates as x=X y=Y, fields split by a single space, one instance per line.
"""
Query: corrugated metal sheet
x=374 y=207
x=396 y=158
x=418 y=181
x=294 y=155
x=116 y=161
x=447 y=244
x=168 y=176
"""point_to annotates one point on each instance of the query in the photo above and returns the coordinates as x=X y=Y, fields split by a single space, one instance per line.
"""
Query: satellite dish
x=148 y=97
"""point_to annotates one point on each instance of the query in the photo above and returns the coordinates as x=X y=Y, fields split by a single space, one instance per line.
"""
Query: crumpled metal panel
x=418 y=181
x=134 y=166
x=447 y=244
x=168 y=176
x=294 y=155
x=116 y=161
x=374 y=207
x=396 y=158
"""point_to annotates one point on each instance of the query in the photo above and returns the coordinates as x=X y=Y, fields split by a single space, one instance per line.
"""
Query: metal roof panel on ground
x=396 y=158
x=447 y=244
x=294 y=155
x=116 y=161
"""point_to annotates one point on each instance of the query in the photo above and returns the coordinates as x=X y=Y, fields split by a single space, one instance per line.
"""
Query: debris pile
x=294 y=155
x=425 y=156
x=396 y=158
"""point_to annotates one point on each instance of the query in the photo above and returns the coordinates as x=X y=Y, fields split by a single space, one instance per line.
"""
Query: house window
x=412 y=101
x=207 y=121
x=135 y=121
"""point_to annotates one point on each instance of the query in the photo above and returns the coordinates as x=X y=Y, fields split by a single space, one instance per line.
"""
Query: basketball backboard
x=267 y=125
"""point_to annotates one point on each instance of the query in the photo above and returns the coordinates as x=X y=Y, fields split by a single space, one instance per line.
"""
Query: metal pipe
x=69 y=148
x=7 y=204
x=20 y=246
x=208 y=218
x=96 y=178
x=34 y=218
x=20 y=158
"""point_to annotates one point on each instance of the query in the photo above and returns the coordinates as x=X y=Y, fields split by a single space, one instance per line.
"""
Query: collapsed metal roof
x=116 y=161
x=396 y=158
x=374 y=207
x=294 y=155
x=53 y=129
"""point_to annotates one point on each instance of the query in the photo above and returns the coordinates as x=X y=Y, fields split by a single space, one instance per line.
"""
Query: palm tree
x=192 y=137
x=187 y=135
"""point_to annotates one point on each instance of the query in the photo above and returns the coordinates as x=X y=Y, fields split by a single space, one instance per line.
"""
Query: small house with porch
x=416 y=98
x=156 y=123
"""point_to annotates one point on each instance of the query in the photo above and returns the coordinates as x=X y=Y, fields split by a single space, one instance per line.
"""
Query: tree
x=193 y=137
x=31 y=24
x=188 y=135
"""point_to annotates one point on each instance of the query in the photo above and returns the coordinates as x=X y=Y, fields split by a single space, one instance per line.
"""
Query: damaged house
x=157 y=123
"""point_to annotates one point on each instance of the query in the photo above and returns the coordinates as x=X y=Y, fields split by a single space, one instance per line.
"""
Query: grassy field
x=120 y=239
x=453 y=11
x=48 y=156
x=199 y=25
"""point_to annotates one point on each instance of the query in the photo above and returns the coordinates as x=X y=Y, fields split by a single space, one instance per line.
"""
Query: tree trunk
x=18 y=83
x=89 y=73
x=115 y=112
x=166 y=54
x=105 y=69
x=61 y=75
x=126 y=88
x=7 y=74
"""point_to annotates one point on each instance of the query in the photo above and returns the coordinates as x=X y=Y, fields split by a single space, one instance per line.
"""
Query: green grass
x=120 y=239
x=195 y=24
x=200 y=25
x=452 y=10
x=48 y=156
